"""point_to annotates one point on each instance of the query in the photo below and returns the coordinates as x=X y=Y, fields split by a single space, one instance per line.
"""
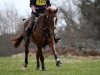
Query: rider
x=37 y=6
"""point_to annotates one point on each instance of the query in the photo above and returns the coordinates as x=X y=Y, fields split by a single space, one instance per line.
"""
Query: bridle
x=49 y=29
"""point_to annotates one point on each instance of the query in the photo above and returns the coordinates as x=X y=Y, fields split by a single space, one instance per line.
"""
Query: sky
x=22 y=6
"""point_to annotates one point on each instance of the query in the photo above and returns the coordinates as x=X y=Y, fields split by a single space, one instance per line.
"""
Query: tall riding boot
x=29 y=29
x=27 y=35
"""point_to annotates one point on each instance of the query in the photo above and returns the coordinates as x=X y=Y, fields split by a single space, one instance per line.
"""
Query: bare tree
x=9 y=20
x=90 y=11
x=82 y=26
x=10 y=23
x=70 y=34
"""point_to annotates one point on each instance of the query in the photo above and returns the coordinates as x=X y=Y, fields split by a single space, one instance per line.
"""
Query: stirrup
x=56 y=39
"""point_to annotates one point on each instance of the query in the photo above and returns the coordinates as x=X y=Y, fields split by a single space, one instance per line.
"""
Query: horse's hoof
x=25 y=65
x=43 y=69
x=23 y=68
x=38 y=69
x=58 y=63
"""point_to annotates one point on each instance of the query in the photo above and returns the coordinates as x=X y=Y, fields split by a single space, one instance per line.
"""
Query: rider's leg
x=29 y=28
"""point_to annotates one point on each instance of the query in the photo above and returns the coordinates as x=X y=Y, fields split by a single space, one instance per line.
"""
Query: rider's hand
x=33 y=8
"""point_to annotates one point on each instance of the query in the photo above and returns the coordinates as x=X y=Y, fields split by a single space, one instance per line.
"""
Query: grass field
x=71 y=66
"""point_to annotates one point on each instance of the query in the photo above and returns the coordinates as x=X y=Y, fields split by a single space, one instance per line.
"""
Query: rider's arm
x=33 y=8
x=32 y=3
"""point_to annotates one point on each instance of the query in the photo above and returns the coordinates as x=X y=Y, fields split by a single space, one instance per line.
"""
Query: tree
x=9 y=20
x=90 y=11
x=10 y=23
x=81 y=25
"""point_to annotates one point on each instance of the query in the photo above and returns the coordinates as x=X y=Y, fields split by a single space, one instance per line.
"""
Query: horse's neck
x=45 y=21
x=41 y=21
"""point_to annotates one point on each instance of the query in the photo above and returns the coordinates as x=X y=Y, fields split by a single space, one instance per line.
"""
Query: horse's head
x=50 y=13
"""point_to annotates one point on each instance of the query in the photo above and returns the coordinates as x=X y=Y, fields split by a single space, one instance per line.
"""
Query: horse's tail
x=17 y=41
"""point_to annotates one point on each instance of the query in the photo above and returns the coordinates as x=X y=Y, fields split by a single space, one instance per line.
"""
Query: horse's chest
x=39 y=37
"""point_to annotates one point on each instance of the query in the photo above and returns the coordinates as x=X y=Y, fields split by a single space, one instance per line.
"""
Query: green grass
x=71 y=66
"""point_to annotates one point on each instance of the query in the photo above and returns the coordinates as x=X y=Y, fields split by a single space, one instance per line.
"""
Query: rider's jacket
x=40 y=3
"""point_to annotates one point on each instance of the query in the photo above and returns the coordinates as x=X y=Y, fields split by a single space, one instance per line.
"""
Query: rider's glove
x=36 y=14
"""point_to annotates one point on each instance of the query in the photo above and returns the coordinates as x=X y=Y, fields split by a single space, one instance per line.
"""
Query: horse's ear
x=56 y=10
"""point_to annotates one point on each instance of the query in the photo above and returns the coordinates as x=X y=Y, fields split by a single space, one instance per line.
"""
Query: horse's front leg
x=26 y=55
x=41 y=57
x=52 y=46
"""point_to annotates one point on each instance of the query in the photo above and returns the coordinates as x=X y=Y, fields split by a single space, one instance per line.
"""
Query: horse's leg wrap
x=58 y=62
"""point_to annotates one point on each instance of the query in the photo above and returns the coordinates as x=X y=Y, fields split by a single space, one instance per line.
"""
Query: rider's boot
x=29 y=29
x=56 y=38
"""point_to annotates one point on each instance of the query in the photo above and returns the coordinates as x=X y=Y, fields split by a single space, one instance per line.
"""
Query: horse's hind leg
x=37 y=58
x=26 y=55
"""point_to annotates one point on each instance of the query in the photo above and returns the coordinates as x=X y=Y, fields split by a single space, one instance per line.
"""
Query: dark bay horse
x=43 y=34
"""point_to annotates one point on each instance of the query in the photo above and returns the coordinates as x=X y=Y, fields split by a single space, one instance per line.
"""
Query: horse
x=42 y=35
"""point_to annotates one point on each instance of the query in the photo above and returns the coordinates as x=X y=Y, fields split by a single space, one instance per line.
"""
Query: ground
x=71 y=66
